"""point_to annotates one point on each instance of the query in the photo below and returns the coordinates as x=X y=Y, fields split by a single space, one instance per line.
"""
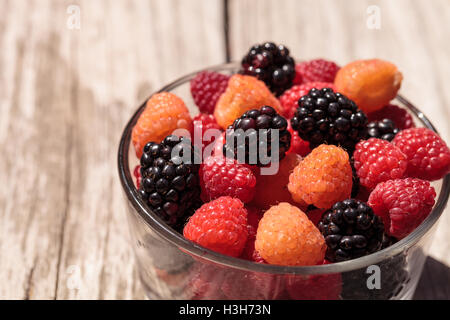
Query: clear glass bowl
x=172 y=267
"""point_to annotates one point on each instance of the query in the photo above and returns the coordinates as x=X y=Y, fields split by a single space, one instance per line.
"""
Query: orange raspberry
x=371 y=84
x=286 y=236
x=323 y=178
x=163 y=114
x=243 y=93
x=272 y=189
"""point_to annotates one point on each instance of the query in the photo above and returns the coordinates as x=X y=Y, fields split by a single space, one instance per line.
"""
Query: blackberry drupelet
x=351 y=230
x=384 y=129
x=247 y=136
x=272 y=64
x=325 y=116
x=169 y=185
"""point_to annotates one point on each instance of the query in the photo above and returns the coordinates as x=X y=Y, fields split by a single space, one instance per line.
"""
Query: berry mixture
x=352 y=172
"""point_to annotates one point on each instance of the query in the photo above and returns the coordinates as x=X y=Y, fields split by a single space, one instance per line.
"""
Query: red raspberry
x=202 y=123
x=220 y=176
x=137 y=175
x=219 y=225
x=428 y=155
x=315 y=287
x=402 y=119
x=298 y=145
x=402 y=204
x=378 y=160
x=315 y=70
x=289 y=99
x=206 y=89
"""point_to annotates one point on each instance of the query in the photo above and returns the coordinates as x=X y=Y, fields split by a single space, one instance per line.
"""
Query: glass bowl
x=171 y=267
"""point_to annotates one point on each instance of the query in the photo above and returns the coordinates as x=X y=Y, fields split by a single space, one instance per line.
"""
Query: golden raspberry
x=371 y=84
x=323 y=178
x=286 y=236
x=163 y=114
x=243 y=93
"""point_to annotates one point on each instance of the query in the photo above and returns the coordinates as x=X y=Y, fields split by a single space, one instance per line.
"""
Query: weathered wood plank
x=124 y=50
x=412 y=34
x=65 y=98
x=33 y=133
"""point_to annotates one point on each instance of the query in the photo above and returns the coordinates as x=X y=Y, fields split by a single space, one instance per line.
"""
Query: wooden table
x=66 y=93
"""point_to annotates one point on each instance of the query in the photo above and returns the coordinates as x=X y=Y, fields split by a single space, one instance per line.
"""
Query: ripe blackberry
x=384 y=129
x=351 y=230
x=170 y=185
x=272 y=64
x=325 y=116
x=254 y=132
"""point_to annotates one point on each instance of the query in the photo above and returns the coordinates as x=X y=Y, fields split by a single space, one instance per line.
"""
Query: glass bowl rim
x=176 y=239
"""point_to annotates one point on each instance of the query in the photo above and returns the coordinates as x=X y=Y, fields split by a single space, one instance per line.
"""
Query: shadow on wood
x=434 y=284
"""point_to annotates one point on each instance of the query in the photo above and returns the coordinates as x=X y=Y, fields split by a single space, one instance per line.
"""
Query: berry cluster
x=352 y=173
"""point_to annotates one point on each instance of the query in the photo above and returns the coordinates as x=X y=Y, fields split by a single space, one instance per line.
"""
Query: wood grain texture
x=65 y=96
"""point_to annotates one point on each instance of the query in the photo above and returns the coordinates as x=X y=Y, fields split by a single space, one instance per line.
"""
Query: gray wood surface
x=65 y=95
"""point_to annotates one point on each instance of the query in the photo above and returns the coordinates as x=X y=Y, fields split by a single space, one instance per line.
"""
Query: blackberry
x=325 y=116
x=272 y=64
x=384 y=129
x=170 y=183
x=351 y=230
x=254 y=133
